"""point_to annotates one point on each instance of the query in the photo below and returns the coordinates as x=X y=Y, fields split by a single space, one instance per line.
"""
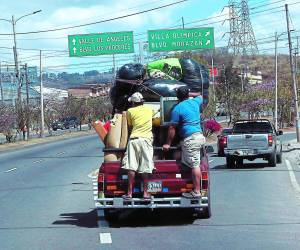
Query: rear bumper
x=243 y=152
x=170 y=202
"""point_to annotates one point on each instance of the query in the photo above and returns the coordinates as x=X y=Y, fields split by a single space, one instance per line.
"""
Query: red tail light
x=224 y=141
x=204 y=180
x=100 y=182
x=111 y=177
x=270 y=140
x=100 y=177
x=204 y=175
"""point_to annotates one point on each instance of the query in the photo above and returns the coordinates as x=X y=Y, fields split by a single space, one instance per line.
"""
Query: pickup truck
x=252 y=139
x=167 y=183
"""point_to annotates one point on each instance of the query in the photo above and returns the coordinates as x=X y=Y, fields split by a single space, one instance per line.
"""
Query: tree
x=210 y=110
x=285 y=103
x=229 y=92
x=7 y=121
x=258 y=98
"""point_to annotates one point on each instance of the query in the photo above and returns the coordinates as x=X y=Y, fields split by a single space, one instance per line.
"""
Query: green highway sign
x=101 y=44
x=180 y=39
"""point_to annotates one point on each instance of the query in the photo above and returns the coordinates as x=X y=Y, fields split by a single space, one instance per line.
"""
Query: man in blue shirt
x=186 y=115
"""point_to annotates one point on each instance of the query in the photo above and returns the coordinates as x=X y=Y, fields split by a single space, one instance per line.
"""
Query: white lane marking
x=95 y=192
x=210 y=161
x=39 y=161
x=10 y=170
x=61 y=153
x=293 y=178
x=105 y=238
x=102 y=223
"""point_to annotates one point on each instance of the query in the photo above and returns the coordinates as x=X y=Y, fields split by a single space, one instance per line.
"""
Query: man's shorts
x=190 y=147
x=139 y=155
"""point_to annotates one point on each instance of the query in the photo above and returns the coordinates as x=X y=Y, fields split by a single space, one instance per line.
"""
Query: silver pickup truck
x=252 y=139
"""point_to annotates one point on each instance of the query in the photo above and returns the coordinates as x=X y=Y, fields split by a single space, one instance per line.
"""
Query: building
x=89 y=90
x=33 y=75
x=52 y=93
x=10 y=93
x=254 y=78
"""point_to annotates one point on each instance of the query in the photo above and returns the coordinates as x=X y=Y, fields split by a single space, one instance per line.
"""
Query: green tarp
x=170 y=66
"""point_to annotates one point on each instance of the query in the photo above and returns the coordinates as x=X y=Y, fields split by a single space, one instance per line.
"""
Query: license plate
x=154 y=186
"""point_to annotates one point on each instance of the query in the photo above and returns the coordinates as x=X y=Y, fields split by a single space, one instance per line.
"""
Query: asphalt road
x=46 y=199
x=46 y=202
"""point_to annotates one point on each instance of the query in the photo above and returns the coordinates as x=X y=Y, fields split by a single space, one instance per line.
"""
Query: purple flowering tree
x=258 y=98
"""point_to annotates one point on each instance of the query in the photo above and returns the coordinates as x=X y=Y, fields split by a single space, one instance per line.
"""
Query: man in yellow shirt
x=139 y=152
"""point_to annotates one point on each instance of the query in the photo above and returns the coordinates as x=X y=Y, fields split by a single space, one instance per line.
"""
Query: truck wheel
x=206 y=213
x=230 y=161
x=272 y=160
x=111 y=215
x=279 y=157
x=239 y=162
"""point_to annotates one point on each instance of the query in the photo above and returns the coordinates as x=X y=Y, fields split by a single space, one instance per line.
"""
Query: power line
x=97 y=22
x=267 y=4
x=144 y=33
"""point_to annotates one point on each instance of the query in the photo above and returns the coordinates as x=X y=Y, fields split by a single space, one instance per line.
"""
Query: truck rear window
x=253 y=127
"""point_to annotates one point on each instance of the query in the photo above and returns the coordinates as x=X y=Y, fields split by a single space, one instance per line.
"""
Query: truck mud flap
x=172 y=202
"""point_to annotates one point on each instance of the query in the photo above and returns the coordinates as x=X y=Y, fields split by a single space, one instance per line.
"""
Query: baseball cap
x=136 y=97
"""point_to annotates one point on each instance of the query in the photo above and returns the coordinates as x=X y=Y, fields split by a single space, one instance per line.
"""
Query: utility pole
x=243 y=76
x=184 y=54
x=13 y=22
x=296 y=59
x=16 y=60
x=276 y=84
x=114 y=64
x=27 y=101
x=293 y=74
x=1 y=87
x=141 y=50
x=213 y=75
x=42 y=97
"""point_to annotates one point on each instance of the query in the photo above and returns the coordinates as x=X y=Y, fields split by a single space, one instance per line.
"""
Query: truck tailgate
x=247 y=141
x=168 y=178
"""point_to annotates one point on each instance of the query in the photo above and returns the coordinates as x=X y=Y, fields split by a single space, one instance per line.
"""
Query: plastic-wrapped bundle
x=119 y=99
x=169 y=66
x=194 y=74
x=123 y=87
x=205 y=93
x=154 y=88
x=132 y=71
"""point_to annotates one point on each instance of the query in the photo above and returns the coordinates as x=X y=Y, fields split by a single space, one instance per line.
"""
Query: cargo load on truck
x=159 y=78
x=157 y=82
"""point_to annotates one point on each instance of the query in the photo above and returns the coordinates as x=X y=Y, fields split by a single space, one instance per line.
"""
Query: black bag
x=205 y=93
x=194 y=74
x=153 y=89
x=123 y=87
x=132 y=71
x=119 y=99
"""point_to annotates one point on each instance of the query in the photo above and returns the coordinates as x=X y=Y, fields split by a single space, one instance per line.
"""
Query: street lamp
x=276 y=81
x=14 y=21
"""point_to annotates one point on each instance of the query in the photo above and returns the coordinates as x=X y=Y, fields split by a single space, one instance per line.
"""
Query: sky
x=266 y=18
